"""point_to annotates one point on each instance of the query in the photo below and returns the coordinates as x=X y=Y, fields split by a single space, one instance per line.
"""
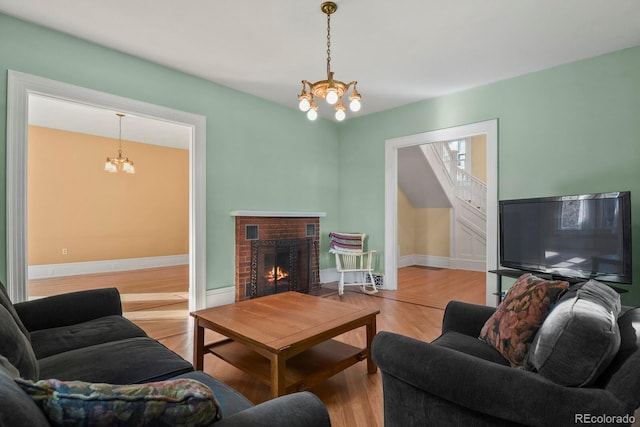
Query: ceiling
x=75 y=117
x=400 y=52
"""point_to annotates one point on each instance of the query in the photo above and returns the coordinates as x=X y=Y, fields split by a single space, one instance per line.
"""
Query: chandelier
x=113 y=164
x=330 y=90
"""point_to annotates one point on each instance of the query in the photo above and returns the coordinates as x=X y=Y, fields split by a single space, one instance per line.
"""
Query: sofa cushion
x=16 y=347
x=5 y=301
x=16 y=408
x=229 y=399
x=176 y=402
x=518 y=317
x=47 y=342
x=579 y=338
x=470 y=345
x=133 y=360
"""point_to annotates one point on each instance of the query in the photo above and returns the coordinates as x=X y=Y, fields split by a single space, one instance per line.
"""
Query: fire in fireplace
x=280 y=265
x=276 y=274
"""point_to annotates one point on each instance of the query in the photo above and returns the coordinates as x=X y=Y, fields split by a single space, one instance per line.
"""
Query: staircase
x=468 y=198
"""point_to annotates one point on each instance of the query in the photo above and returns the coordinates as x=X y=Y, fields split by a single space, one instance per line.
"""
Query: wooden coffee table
x=285 y=340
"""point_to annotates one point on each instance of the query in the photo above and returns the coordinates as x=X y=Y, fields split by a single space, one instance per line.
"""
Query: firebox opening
x=279 y=266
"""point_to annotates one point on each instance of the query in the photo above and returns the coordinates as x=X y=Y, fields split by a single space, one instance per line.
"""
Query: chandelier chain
x=120 y=135
x=328 y=44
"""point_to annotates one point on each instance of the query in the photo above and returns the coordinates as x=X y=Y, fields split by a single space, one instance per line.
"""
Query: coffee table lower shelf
x=302 y=371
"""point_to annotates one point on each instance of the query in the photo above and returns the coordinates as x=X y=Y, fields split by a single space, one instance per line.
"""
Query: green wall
x=570 y=129
x=566 y=130
x=260 y=155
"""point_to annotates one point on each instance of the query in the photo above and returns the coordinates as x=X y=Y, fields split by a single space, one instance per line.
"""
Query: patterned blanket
x=346 y=242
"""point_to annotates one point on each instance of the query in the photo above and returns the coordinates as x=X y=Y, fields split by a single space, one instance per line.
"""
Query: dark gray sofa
x=83 y=336
x=458 y=380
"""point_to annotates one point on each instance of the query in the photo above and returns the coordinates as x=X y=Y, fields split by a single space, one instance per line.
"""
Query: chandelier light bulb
x=128 y=167
x=109 y=166
x=332 y=96
x=304 y=104
x=355 y=105
x=340 y=115
x=312 y=114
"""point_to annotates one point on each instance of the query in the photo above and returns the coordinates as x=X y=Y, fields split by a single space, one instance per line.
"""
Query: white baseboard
x=469 y=264
x=442 y=262
x=221 y=296
x=92 y=267
x=406 y=261
x=329 y=275
x=425 y=261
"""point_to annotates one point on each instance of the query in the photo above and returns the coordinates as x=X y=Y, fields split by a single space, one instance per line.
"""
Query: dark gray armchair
x=458 y=380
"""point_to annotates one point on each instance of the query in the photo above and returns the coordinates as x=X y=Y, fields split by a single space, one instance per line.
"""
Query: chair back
x=353 y=262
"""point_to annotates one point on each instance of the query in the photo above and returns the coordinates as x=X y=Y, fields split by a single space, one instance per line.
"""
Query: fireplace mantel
x=280 y=214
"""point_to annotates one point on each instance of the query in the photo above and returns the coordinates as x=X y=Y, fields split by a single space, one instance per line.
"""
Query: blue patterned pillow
x=180 y=402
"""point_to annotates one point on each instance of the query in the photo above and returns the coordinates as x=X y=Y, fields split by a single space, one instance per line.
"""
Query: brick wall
x=271 y=228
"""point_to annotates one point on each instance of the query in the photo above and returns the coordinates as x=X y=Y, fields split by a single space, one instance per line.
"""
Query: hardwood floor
x=156 y=299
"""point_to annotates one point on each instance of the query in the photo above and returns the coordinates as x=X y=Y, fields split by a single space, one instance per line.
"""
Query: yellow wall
x=406 y=225
x=73 y=203
x=422 y=231
x=479 y=157
x=432 y=232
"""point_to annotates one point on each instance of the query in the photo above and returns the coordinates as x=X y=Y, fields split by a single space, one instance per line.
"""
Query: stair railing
x=471 y=190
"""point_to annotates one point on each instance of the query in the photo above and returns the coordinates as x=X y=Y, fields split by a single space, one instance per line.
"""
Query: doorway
x=20 y=87
x=392 y=146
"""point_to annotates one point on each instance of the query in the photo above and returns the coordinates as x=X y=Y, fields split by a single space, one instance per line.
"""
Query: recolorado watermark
x=604 y=419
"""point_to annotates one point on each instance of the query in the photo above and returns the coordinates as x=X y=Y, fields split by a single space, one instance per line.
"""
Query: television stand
x=514 y=274
x=504 y=272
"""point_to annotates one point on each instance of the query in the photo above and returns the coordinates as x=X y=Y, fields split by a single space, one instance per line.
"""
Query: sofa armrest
x=465 y=317
x=69 y=309
x=301 y=409
x=514 y=395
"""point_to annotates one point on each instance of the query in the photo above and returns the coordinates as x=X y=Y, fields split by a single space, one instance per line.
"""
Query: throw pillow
x=579 y=338
x=518 y=317
x=16 y=347
x=179 y=402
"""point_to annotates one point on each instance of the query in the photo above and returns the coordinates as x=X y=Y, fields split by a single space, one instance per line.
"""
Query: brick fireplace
x=276 y=252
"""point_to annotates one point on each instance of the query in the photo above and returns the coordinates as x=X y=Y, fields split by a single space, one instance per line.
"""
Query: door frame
x=488 y=128
x=20 y=86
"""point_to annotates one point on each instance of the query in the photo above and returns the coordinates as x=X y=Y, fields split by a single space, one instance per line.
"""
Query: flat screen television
x=584 y=236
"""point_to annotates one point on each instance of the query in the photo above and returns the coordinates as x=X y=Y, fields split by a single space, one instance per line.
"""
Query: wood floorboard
x=157 y=300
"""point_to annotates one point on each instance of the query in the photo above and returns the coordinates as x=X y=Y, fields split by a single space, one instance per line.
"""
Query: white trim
x=329 y=275
x=469 y=264
x=425 y=261
x=406 y=261
x=490 y=128
x=107 y=266
x=432 y=261
x=277 y=214
x=20 y=86
x=440 y=262
x=221 y=296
